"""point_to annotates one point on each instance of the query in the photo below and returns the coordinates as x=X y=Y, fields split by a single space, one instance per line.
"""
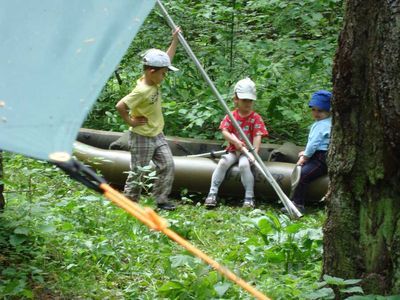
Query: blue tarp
x=56 y=56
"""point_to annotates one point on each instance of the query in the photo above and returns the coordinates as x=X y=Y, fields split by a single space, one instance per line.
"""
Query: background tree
x=285 y=46
x=362 y=232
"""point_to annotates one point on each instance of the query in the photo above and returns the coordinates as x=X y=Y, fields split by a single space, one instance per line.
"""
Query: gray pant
x=143 y=150
x=226 y=161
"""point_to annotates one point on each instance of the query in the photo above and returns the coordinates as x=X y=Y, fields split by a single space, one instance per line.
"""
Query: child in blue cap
x=313 y=158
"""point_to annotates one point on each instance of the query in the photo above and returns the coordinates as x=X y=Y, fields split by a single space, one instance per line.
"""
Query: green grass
x=60 y=240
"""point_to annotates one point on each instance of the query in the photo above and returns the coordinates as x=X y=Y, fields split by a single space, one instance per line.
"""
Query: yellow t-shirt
x=145 y=100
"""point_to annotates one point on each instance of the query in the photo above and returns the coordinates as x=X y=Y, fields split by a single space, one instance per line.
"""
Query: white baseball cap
x=157 y=58
x=246 y=89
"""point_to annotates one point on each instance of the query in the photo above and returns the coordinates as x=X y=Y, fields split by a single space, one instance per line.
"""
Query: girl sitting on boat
x=254 y=128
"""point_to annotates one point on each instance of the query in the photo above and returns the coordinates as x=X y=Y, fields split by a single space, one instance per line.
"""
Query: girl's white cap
x=246 y=89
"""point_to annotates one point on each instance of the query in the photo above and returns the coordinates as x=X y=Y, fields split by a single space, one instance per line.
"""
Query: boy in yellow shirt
x=141 y=109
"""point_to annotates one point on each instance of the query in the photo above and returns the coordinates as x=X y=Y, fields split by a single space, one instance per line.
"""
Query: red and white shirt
x=252 y=125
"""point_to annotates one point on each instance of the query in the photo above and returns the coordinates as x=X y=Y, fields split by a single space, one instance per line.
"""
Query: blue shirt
x=319 y=136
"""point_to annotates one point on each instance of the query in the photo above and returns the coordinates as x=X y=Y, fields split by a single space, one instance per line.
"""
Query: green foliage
x=147 y=177
x=374 y=297
x=285 y=46
x=345 y=287
x=60 y=240
x=287 y=242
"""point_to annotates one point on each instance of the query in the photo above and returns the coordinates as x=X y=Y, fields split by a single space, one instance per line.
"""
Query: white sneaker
x=211 y=201
x=248 y=202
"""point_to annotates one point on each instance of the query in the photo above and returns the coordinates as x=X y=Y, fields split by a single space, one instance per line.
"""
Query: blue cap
x=321 y=99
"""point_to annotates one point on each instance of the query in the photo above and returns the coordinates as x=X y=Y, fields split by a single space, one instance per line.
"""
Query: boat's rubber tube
x=184 y=146
x=194 y=174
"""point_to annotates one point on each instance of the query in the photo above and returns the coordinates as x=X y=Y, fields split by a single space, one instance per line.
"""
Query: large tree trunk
x=362 y=232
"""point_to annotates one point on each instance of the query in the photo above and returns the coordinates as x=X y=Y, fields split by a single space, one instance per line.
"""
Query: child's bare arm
x=257 y=143
x=239 y=145
x=172 y=48
x=232 y=139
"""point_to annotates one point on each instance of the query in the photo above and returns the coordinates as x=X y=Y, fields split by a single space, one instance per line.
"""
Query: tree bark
x=362 y=231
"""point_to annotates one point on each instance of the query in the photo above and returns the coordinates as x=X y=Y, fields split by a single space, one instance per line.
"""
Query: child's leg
x=226 y=161
x=246 y=176
x=164 y=162
x=142 y=149
x=313 y=169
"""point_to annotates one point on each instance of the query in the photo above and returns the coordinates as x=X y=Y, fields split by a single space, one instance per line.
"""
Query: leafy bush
x=287 y=242
x=286 y=47
x=60 y=240
x=345 y=288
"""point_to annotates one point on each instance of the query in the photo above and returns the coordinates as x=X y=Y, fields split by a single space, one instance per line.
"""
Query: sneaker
x=298 y=206
x=211 y=201
x=248 y=202
x=166 y=206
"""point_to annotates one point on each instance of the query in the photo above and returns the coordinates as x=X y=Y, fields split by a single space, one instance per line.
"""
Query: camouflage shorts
x=143 y=150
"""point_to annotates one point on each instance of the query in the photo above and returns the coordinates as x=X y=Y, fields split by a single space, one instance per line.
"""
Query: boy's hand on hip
x=138 y=121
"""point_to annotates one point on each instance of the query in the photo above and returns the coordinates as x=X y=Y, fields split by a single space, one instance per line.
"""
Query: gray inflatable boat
x=195 y=161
